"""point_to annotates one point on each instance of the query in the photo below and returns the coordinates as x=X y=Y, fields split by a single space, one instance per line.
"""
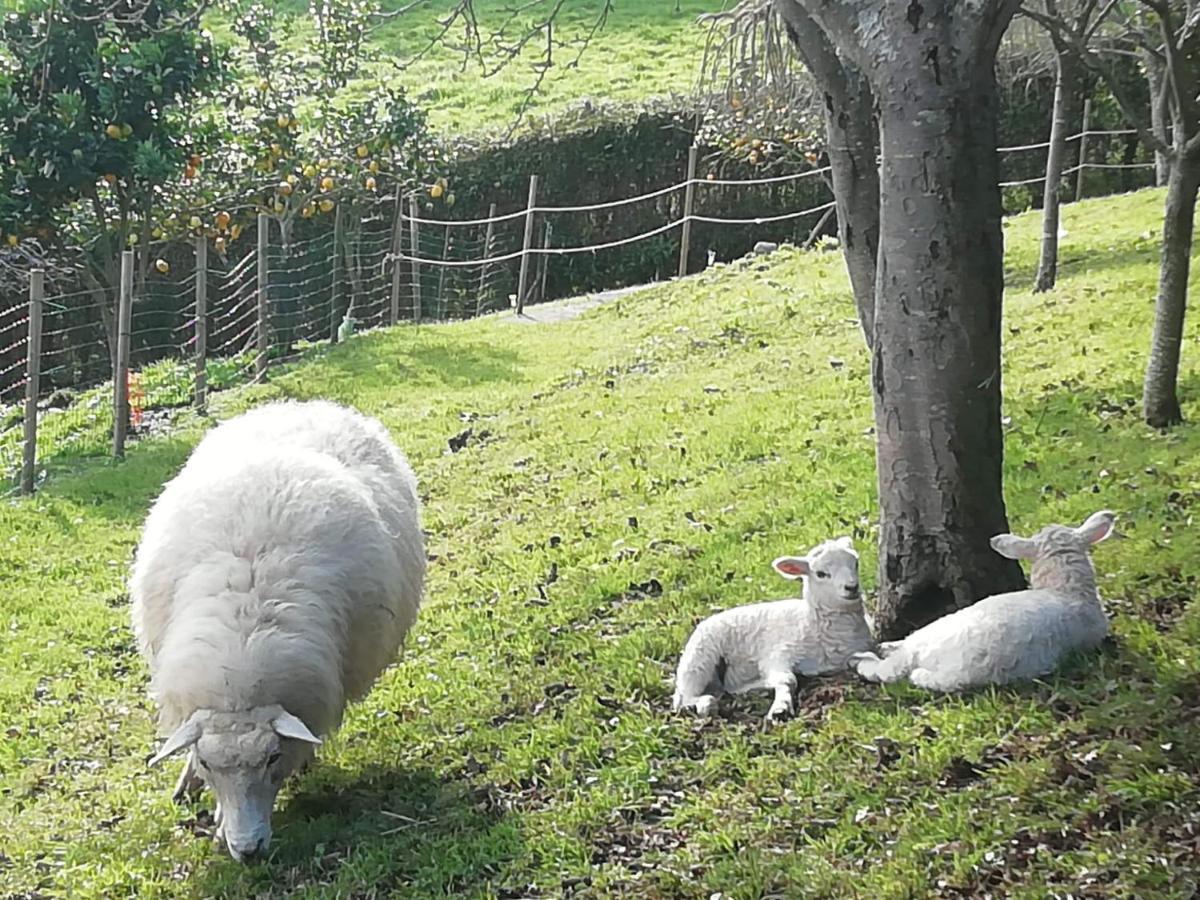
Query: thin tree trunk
x=1064 y=97
x=852 y=139
x=1160 y=113
x=1160 y=401
x=936 y=368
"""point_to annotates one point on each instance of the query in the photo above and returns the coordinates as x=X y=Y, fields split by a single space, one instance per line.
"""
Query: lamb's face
x=831 y=570
x=244 y=757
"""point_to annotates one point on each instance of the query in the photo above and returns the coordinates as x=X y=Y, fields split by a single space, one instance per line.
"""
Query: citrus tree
x=97 y=108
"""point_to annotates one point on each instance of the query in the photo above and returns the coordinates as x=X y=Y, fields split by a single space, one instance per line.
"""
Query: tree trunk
x=1064 y=97
x=1160 y=402
x=936 y=368
x=852 y=139
x=1160 y=114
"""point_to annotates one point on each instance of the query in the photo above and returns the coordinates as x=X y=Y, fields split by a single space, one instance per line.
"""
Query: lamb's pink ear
x=1014 y=547
x=183 y=738
x=288 y=726
x=1097 y=527
x=792 y=567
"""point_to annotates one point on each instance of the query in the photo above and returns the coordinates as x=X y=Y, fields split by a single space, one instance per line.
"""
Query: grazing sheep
x=276 y=578
x=1007 y=637
x=765 y=645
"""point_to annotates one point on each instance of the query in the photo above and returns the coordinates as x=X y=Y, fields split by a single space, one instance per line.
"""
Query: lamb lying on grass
x=765 y=645
x=276 y=578
x=1008 y=637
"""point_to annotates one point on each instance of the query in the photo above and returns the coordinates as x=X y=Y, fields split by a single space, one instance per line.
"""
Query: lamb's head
x=830 y=573
x=244 y=758
x=1059 y=553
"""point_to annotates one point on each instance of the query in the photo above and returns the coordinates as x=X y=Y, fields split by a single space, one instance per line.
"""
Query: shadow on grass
x=374 y=832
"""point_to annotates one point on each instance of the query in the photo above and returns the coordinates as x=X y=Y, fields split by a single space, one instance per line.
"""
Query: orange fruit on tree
x=110 y=178
x=285 y=188
x=194 y=222
x=326 y=205
x=327 y=183
x=235 y=232
x=162 y=265
x=114 y=132
x=362 y=151
x=308 y=211
x=436 y=191
x=219 y=243
x=13 y=240
x=370 y=183
x=223 y=219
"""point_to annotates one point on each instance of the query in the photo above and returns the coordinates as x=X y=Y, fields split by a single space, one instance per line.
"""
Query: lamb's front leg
x=783 y=682
x=869 y=666
x=189 y=785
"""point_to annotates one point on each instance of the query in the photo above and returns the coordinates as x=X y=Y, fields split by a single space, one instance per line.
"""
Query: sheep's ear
x=792 y=567
x=846 y=543
x=288 y=726
x=183 y=738
x=1097 y=527
x=1014 y=547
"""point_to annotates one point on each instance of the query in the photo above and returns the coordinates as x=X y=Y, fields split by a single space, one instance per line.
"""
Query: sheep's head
x=1055 y=545
x=831 y=573
x=1057 y=539
x=244 y=758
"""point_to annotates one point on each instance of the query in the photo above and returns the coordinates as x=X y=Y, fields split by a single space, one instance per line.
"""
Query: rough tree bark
x=852 y=138
x=939 y=286
x=1064 y=98
x=1160 y=400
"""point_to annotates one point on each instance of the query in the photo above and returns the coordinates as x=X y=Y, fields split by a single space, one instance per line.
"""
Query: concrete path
x=565 y=310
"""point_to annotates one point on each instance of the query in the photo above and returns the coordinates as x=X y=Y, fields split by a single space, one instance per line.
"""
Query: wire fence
x=81 y=372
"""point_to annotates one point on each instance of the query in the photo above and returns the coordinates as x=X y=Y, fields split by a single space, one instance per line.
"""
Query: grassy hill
x=646 y=49
x=627 y=473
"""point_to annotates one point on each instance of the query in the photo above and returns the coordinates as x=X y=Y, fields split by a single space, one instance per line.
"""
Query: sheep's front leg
x=784 y=685
x=872 y=668
x=189 y=785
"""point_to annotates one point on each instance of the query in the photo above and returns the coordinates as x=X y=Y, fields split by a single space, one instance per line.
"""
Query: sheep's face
x=830 y=571
x=1056 y=540
x=244 y=757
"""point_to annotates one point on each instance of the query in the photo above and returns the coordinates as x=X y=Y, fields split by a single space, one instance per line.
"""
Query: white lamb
x=277 y=576
x=765 y=645
x=1008 y=637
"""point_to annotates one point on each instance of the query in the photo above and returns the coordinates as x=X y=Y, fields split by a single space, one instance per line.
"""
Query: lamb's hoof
x=858 y=659
x=777 y=714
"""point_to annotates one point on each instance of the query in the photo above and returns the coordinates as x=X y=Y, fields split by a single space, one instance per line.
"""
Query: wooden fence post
x=523 y=280
x=262 y=329
x=334 y=284
x=415 y=239
x=487 y=252
x=121 y=369
x=397 y=252
x=689 y=197
x=441 y=297
x=1083 y=136
x=201 y=380
x=545 y=261
x=33 y=372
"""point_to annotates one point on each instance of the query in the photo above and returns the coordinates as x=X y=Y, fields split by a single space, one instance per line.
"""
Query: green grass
x=681 y=437
x=646 y=49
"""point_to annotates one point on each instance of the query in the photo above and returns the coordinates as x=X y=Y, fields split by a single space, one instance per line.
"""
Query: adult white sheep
x=1008 y=637
x=765 y=645
x=276 y=578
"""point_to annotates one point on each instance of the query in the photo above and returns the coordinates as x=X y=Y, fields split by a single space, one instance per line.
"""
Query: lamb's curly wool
x=281 y=568
x=1014 y=636
x=765 y=645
